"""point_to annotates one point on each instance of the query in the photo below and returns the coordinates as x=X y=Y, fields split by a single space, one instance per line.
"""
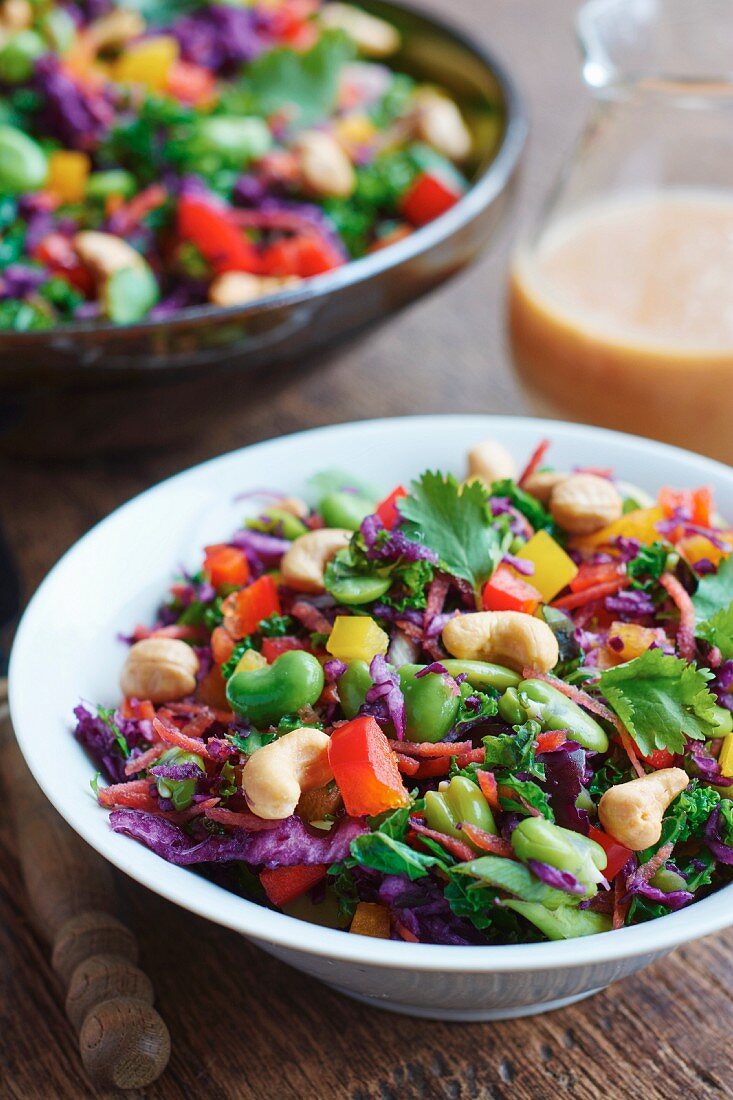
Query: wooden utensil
x=123 y=1041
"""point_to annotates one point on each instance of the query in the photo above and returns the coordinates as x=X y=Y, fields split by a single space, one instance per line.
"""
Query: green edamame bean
x=482 y=674
x=555 y=712
x=235 y=140
x=265 y=695
x=101 y=185
x=431 y=706
x=280 y=522
x=23 y=164
x=539 y=839
x=455 y=802
x=723 y=721
x=510 y=709
x=179 y=791
x=667 y=880
x=347 y=510
x=353 y=686
x=18 y=55
x=357 y=590
x=129 y=294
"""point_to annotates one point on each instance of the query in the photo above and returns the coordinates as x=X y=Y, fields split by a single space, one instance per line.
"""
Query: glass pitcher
x=621 y=295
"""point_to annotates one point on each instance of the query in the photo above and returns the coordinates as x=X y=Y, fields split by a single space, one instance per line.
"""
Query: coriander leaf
x=660 y=699
x=455 y=522
x=649 y=563
x=718 y=630
x=382 y=853
x=303 y=83
x=714 y=592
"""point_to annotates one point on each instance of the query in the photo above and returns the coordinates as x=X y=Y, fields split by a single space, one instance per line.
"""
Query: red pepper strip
x=407 y=764
x=455 y=847
x=595 y=592
x=222 y=645
x=135 y=795
x=428 y=198
x=428 y=748
x=583 y=699
x=617 y=855
x=487 y=783
x=534 y=461
x=139 y=763
x=433 y=767
x=660 y=758
x=365 y=768
x=683 y=602
x=591 y=574
x=475 y=756
x=387 y=509
x=487 y=842
x=505 y=591
x=285 y=884
x=240 y=819
x=173 y=736
x=304 y=255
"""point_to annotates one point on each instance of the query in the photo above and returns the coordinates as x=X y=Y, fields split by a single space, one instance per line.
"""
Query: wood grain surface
x=243 y=1025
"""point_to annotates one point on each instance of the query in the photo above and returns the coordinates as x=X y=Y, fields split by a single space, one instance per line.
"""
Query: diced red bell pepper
x=505 y=591
x=590 y=574
x=226 y=565
x=303 y=255
x=697 y=504
x=191 y=83
x=58 y=254
x=272 y=648
x=429 y=197
x=210 y=226
x=285 y=884
x=365 y=768
x=245 y=610
x=660 y=758
x=286 y=21
x=551 y=740
x=616 y=853
x=387 y=509
x=222 y=645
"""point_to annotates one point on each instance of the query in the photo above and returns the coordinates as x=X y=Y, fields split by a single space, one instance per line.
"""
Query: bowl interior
x=115 y=576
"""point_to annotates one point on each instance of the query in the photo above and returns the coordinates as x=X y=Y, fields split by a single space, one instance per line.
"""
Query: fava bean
x=482 y=674
x=457 y=801
x=723 y=720
x=235 y=140
x=18 y=55
x=341 y=509
x=129 y=294
x=538 y=839
x=23 y=164
x=355 y=589
x=101 y=185
x=556 y=712
x=510 y=709
x=431 y=706
x=280 y=522
x=353 y=686
x=667 y=880
x=266 y=695
x=179 y=791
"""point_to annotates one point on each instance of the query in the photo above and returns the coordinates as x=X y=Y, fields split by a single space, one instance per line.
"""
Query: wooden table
x=244 y=1025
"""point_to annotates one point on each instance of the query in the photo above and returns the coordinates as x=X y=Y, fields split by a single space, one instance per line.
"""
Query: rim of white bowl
x=251 y=919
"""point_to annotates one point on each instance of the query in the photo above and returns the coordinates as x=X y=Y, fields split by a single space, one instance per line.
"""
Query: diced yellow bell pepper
x=148 y=62
x=726 y=757
x=355 y=130
x=67 y=174
x=553 y=568
x=696 y=547
x=371 y=919
x=640 y=524
x=356 y=638
x=635 y=639
x=250 y=660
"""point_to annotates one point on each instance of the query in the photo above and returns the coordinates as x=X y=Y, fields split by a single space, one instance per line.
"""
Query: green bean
x=179 y=791
x=353 y=686
x=510 y=709
x=482 y=674
x=265 y=695
x=456 y=802
x=555 y=712
x=23 y=164
x=18 y=55
x=431 y=705
x=539 y=839
x=342 y=509
x=357 y=590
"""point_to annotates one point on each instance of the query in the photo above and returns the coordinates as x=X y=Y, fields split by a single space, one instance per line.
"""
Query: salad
x=155 y=156
x=488 y=712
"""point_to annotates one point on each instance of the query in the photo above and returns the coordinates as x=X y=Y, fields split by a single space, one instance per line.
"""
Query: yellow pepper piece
x=696 y=547
x=355 y=130
x=356 y=638
x=726 y=757
x=636 y=640
x=371 y=919
x=250 y=660
x=553 y=568
x=147 y=62
x=640 y=524
x=67 y=174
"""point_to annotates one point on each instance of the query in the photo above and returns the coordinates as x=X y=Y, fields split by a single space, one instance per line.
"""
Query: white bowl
x=114 y=578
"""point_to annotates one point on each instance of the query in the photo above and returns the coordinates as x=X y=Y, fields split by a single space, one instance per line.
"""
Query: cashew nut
x=116 y=28
x=237 y=288
x=584 y=503
x=104 y=254
x=373 y=37
x=490 y=461
x=159 y=669
x=294 y=506
x=303 y=565
x=632 y=812
x=510 y=638
x=275 y=775
x=324 y=166
x=542 y=484
x=16 y=15
x=439 y=122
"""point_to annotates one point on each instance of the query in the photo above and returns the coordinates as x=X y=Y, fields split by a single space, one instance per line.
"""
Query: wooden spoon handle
x=123 y=1041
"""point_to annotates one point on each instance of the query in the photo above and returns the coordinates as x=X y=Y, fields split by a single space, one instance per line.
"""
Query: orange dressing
x=623 y=316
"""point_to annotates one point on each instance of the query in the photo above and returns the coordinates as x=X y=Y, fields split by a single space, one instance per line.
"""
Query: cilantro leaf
x=307 y=83
x=648 y=565
x=454 y=521
x=714 y=592
x=660 y=699
x=392 y=857
x=718 y=630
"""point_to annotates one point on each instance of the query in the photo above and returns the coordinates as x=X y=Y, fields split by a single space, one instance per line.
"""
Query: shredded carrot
x=487 y=783
x=649 y=869
x=171 y=734
x=487 y=841
x=586 y=595
x=428 y=748
x=474 y=756
x=408 y=765
x=686 y=630
x=534 y=461
x=452 y=845
x=180 y=817
x=405 y=933
x=138 y=708
x=620 y=907
x=134 y=795
x=138 y=763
